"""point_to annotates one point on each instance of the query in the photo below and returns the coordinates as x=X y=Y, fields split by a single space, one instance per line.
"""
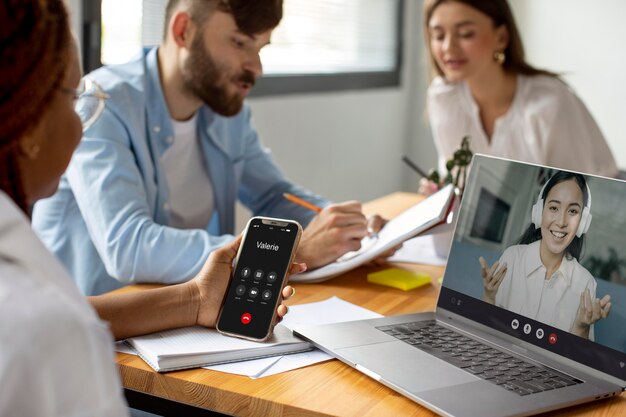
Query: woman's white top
x=56 y=355
x=554 y=301
x=546 y=124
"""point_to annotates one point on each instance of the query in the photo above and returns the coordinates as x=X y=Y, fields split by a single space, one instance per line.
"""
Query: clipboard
x=416 y=220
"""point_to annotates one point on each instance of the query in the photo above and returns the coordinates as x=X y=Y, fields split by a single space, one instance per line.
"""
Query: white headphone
x=585 y=218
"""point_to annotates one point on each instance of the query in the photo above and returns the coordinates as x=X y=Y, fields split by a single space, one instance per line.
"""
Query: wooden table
x=329 y=388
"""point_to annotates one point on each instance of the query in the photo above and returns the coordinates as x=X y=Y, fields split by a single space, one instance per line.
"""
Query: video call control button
x=245 y=273
x=552 y=338
x=240 y=290
x=527 y=328
x=246 y=318
x=254 y=291
x=258 y=275
x=266 y=295
x=271 y=277
x=539 y=333
x=515 y=324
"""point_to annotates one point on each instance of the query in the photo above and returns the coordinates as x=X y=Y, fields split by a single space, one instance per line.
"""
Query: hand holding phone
x=259 y=276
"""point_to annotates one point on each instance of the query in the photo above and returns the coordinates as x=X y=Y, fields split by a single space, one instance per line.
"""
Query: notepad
x=423 y=216
x=192 y=347
x=399 y=278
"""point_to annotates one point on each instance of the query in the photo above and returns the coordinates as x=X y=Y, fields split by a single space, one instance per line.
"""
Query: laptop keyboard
x=498 y=367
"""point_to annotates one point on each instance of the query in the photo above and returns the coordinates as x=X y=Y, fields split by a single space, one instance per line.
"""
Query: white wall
x=75 y=7
x=584 y=41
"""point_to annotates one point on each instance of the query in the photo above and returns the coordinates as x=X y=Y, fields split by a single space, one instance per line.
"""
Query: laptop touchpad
x=405 y=366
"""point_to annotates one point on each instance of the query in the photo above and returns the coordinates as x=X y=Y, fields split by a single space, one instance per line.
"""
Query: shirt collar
x=533 y=262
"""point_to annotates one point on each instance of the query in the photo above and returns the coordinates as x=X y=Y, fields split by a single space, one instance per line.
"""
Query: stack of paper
x=192 y=347
x=175 y=346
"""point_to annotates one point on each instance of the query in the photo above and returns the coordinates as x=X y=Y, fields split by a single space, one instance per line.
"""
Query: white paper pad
x=332 y=310
x=417 y=219
x=419 y=250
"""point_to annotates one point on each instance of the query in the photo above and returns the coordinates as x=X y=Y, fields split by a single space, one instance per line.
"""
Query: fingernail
x=293 y=292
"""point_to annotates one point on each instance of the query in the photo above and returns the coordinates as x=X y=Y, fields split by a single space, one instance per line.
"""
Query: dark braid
x=34 y=53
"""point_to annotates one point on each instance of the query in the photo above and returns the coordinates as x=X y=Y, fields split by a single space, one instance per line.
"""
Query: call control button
x=254 y=291
x=240 y=290
x=245 y=272
x=552 y=338
x=266 y=295
x=271 y=277
x=246 y=318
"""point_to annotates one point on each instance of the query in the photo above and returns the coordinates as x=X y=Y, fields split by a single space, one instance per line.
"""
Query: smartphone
x=260 y=272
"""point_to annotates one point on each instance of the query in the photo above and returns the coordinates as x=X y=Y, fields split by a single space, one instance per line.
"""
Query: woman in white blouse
x=541 y=277
x=484 y=89
x=56 y=347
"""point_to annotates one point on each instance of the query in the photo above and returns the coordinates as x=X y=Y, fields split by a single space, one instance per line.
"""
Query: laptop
x=509 y=341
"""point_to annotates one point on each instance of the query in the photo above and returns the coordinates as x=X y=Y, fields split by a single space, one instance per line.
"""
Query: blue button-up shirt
x=108 y=222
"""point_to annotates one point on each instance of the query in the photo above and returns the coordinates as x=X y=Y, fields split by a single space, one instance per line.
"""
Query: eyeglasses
x=89 y=101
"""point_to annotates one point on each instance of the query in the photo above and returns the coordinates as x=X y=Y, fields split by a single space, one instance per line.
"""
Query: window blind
x=314 y=37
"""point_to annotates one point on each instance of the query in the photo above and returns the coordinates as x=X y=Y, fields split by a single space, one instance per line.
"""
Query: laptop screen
x=540 y=254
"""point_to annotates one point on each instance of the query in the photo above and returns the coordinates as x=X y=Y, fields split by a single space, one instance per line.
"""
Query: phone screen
x=258 y=277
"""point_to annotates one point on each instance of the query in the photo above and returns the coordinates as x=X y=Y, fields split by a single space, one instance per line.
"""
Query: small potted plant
x=456 y=168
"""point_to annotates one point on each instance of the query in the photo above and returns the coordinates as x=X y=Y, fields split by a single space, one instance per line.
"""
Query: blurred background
x=344 y=93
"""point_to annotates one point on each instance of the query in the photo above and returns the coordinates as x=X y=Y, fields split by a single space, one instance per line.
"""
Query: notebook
x=516 y=341
x=423 y=216
x=192 y=347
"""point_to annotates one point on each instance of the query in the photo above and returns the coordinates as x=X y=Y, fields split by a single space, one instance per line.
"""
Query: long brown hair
x=34 y=54
x=501 y=14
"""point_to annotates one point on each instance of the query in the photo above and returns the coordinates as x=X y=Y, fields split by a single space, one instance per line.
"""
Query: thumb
x=227 y=253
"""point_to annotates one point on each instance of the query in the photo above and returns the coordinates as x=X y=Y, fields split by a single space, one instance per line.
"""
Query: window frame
x=268 y=85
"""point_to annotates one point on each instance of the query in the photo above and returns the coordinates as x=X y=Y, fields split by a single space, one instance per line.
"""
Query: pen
x=414 y=167
x=301 y=202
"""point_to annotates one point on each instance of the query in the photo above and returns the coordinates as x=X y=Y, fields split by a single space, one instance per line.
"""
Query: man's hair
x=34 y=51
x=251 y=16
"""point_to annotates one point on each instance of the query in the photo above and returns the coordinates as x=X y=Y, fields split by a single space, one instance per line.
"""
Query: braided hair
x=34 y=54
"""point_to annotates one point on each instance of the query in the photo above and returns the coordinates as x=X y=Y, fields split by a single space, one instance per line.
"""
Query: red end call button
x=552 y=338
x=246 y=318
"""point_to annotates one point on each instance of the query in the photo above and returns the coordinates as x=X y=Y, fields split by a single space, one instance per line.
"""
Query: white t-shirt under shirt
x=546 y=124
x=553 y=301
x=56 y=355
x=191 y=192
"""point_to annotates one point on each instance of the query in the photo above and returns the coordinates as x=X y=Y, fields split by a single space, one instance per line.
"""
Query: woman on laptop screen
x=541 y=277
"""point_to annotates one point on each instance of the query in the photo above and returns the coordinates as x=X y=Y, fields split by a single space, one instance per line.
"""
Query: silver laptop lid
x=528 y=222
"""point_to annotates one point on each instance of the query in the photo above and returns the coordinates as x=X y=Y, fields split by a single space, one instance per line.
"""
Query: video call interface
x=257 y=279
x=546 y=248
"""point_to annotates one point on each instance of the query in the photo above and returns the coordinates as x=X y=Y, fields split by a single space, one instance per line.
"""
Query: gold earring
x=499 y=57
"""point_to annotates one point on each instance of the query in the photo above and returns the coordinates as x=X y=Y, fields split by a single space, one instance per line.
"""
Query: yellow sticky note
x=399 y=278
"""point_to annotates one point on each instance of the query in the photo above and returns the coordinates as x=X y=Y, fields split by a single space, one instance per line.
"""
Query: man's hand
x=374 y=224
x=336 y=230
x=209 y=286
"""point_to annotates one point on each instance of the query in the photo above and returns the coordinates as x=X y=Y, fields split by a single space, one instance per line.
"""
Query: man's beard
x=201 y=76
